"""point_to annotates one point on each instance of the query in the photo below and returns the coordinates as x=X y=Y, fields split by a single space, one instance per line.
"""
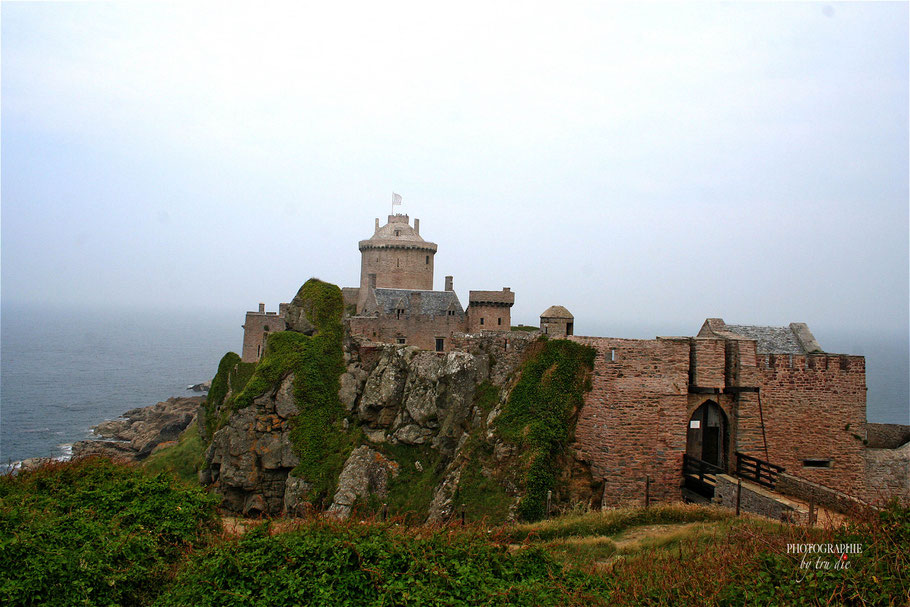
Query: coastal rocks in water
x=252 y=455
x=201 y=387
x=366 y=472
x=138 y=432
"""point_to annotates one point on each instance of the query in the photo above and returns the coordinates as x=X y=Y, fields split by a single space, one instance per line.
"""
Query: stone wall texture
x=256 y=326
x=784 y=409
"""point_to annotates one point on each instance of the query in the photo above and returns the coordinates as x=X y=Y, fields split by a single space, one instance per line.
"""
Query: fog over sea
x=65 y=370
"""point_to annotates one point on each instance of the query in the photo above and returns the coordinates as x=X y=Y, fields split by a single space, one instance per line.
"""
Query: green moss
x=486 y=396
x=539 y=414
x=183 y=459
x=317 y=362
x=411 y=492
x=232 y=377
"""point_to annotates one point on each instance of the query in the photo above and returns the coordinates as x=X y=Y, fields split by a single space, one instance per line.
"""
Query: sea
x=64 y=370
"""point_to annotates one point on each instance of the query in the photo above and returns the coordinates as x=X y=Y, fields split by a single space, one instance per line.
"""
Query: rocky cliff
x=328 y=422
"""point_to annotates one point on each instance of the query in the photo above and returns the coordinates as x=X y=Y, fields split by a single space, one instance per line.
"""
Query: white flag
x=396 y=199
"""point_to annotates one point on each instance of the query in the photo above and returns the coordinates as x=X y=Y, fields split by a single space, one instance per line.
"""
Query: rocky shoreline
x=134 y=435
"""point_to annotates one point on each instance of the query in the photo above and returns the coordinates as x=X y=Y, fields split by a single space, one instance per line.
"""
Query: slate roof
x=434 y=303
x=770 y=340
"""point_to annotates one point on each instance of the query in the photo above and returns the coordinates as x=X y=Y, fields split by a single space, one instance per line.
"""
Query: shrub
x=92 y=532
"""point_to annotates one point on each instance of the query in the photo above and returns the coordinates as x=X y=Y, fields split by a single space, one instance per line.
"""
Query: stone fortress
x=681 y=414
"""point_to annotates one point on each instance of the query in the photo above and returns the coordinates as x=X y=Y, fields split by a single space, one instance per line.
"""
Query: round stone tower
x=396 y=257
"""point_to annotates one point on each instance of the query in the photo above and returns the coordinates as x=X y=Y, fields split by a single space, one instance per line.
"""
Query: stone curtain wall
x=814 y=407
x=633 y=422
x=420 y=330
x=506 y=351
x=887 y=436
x=887 y=473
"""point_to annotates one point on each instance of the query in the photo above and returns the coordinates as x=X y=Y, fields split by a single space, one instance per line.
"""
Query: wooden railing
x=757 y=470
x=700 y=475
x=692 y=466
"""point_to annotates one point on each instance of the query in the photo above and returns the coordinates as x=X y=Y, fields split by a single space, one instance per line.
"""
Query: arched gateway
x=707 y=436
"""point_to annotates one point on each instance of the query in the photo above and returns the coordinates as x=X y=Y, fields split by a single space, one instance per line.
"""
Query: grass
x=183 y=459
x=612 y=522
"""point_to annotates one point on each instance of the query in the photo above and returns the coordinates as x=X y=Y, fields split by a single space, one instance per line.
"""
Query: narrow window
x=258 y=350
x=397 y=263
x=815 y=462
x=440 y=344
x=612 y=355
x=481 y=320
x=499 y=321
x=428 y=260
x=397 y=232
x=401 y=340
x=398 y=313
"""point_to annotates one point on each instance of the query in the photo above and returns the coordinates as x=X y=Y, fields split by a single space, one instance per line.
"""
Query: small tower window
x=481 y=320
x=499 y=321
x=401 y=340
x=440 y=344
x=397 y=232
x=428 y=260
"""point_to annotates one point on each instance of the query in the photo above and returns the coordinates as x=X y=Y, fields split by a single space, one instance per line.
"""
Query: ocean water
x=63 y=371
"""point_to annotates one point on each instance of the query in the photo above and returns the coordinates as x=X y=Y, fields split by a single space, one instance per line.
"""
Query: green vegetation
x=92 y=532
x=317 y=362
x=232 y=377
x=611 y=522
x=525 y=328
x=96 y=533
x=411 y=492
x=324 y=563
x=539 y=415
x=183 y=459
x=480 y=497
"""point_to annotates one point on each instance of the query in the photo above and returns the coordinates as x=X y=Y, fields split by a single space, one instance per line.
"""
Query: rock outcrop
x=366 y=472
x=250 y=458
x=135 y=434
x=391 y=395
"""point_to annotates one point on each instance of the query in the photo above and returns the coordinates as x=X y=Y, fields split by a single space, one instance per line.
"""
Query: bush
x=92 y=532
x=325 y=563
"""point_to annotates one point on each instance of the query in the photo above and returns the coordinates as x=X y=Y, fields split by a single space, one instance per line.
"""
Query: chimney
x=506 y=289
x=449 y=286
x=262 y=308
x=282 y=309
x=371 y=280
x=417 y=226
x=377 y=224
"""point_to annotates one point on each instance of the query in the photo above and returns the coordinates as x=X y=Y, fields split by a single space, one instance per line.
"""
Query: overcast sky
x=641 y=164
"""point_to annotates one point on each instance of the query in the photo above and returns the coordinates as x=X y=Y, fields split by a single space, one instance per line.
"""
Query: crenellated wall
x=809 y=411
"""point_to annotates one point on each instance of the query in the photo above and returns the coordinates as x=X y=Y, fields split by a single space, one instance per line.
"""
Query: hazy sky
x=641 y=164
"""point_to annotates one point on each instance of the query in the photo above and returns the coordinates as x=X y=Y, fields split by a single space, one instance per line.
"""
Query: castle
x=681 y=412
x=395 y=302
